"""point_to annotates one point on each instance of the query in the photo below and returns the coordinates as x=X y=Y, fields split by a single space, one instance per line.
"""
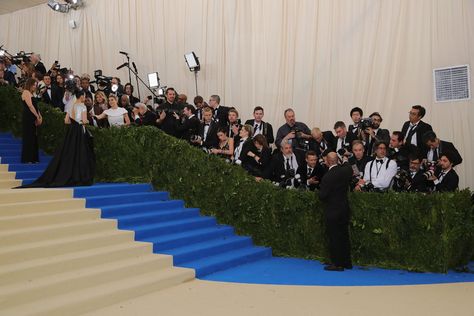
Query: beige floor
x=214 y=298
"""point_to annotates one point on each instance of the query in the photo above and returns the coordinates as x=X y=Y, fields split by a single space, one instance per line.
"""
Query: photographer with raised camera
x=437 y=147
x=372 y=132
x=283 y=167
x=166 y=120
x=378 y=173
x=445 y=179
x=344 y=140
x=142 y=116
x=188 y=125
x=293 y=132
x=417 y=180
x=35 y=60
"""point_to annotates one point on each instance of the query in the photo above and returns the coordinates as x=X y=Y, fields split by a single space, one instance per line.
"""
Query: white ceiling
x=7 y=6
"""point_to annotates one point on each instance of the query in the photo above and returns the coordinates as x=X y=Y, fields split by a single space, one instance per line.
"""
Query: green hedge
x=409 y=231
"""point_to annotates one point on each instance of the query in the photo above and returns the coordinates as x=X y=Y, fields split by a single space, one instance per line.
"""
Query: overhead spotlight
x=2 y=53
x=59 y=7
x=75 y=3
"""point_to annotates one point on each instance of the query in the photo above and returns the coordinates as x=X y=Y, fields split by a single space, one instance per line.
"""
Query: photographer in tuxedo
x=437 y=147
x=311 y=171
x=220 y=113
x=207 y=137
x=354 y=128
x=35 y=60
x=189 y=124
x=359 y=160
x=334 y=195
x=283 y=167
x=47 y=96
x=378 y=173
x=344 y=140
x=374 y=133
x=199 y=104
x=244 y=145
x=400 y=152
x=418 y=181
x=414 y=129
x=444 y=179
x=166 y=120
x=321 y=141
x=292 y=131
x=259 y=126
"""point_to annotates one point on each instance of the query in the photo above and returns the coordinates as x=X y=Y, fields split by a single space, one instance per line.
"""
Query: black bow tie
x=207 y=124
x=379 y=160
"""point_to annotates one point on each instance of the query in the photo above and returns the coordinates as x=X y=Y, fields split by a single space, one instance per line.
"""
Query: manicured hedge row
x=408 y=231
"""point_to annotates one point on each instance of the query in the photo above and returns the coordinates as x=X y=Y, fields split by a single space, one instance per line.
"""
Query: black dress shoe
x=333 y=268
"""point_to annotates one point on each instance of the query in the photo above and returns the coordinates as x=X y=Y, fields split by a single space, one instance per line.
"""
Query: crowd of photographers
x=413 y=159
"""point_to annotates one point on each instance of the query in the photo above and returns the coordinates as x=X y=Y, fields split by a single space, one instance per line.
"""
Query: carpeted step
x=39 y=207
x=195 y=251
x=48 y=286
x=130 y=221
x=79 y=302
x=227 y=260
x=112 y=188
x=9 y=146
x=113 y=211
x=55 y=232
x=44 y=249
x=33 y=174
x=117 y=199
x=17 y=159
x=182 y=225
x=68 y=262
x=27 y=166
x=26 y=220
x=3 y=168
x=7 y=141
x=7 y=175
x=33 y=195
x=180 y=239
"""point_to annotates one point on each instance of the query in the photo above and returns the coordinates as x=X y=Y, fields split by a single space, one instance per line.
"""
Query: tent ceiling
x=7 y=6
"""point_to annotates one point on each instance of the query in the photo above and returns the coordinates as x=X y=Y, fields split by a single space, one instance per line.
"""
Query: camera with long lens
x=430 y=168
x=301 y=143
x=290 y=179
x=368 y=187
x=401 y=181
x=366 y=123
x=104 y=83
x=194 y=138
x=20 y=58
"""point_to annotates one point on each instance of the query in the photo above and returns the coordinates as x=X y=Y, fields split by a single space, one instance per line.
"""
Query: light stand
x=193 y=64
x=136 y=78
x=129 y=69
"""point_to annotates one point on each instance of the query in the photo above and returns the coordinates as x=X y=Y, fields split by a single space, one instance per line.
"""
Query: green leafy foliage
x=409 y=231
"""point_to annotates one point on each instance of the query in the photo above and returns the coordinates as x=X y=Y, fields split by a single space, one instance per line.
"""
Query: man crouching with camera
x=284 y=166
x=379 y=172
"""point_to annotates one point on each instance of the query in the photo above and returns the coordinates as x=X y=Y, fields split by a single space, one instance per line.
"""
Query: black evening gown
x=73 y=163
x=29 y=150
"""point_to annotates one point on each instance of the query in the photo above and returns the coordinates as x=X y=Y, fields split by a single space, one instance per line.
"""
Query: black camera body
x=401 y=181
x=70 y=85
x=366 y=123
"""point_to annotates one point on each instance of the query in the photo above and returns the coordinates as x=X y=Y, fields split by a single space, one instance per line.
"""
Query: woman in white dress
x=115 y=115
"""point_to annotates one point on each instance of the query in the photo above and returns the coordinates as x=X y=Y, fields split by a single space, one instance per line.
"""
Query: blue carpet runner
x=199 y=242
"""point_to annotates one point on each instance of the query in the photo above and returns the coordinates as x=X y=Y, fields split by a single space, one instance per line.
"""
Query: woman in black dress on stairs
x=31 y=120
x=73 y=163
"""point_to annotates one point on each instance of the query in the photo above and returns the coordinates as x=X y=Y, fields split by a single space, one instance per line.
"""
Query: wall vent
x=452 y=83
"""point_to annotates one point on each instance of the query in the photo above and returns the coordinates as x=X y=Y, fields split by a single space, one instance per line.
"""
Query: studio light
x=193 y=61
x=64 y=7
x=153 y=80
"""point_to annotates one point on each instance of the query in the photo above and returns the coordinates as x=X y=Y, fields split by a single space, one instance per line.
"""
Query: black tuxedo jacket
x=334 y=193
x=328 y=139
x=347 y=142
x=211 y=140
x=221 y=115
x=57 y=94
x=148 y=119
x=267 y=130
x=258 y=169
x=277 y=169
x=39 y=67
x=189 y=127
x=318 y=172
x=46 y=98
x=419 y=183
x=169 y=123
x=420 y=129
x=450 y=182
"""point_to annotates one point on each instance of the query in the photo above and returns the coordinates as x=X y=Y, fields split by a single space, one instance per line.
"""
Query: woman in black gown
x=73 y=163
x=31 y=120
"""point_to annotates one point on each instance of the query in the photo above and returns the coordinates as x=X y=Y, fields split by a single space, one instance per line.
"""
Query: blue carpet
x=291 y=271
x=198 y=242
